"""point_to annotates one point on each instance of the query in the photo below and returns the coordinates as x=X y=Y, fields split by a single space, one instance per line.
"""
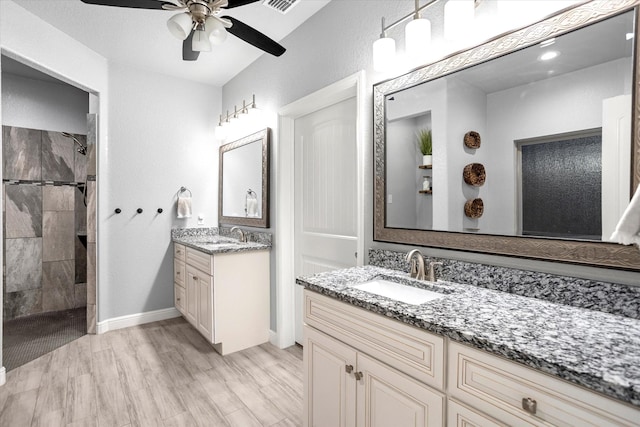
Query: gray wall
x=334 y=44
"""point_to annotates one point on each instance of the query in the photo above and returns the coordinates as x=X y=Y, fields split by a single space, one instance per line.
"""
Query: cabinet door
x=386 y=397
x=192 y=295
x=205 y=305
x=329 y=383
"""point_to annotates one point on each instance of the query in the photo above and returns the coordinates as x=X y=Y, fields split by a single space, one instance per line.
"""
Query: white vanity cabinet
x=517 y=395
x=349 y=385
x=225 y=296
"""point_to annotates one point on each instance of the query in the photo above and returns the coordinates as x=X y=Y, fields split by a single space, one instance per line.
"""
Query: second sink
x=397 y=291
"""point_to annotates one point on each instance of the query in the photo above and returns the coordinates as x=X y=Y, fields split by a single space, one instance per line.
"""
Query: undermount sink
x=398 y=292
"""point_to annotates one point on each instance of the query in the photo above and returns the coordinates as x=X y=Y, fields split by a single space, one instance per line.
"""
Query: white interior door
x=325 y=193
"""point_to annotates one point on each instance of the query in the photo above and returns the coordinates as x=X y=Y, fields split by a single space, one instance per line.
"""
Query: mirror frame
x=263 y=137
x=599 y=254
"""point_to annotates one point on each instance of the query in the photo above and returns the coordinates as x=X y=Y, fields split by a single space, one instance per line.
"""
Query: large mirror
x=523 y=146
x=243 y=193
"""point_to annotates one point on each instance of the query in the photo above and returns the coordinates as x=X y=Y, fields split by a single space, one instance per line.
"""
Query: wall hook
x=118 y=210
x=159 y=210
x=139 y=210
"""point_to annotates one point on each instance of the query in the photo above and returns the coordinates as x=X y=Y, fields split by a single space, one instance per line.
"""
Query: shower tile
x=81 y=295
x=81 y=212
x=58 y=236
x=22 y=303
x=91 y=318
x=23 y=211
x=81 y=261
x=91 y=273
x=80 y=166
x=23 y=264
x=92 y=133
x=57 y=157
x=58 y=198
x=91 y=211
x=59 y=274
x=21 y=153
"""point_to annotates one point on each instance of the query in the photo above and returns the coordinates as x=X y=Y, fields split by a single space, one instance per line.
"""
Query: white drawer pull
x=529 y=405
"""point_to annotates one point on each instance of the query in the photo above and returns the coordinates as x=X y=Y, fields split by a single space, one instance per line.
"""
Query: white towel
x=628 y=228
x=184 y=207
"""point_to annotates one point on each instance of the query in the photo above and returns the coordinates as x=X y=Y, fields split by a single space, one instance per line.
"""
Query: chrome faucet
x=243 y=236
x=416 y=269
x=431 y=272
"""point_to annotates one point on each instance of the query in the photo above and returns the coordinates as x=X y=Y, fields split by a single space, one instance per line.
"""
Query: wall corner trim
x=136 y=319
x=3 y=375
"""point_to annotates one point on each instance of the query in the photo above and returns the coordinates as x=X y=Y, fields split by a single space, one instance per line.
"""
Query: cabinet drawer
x=408 y=349
x=179 y=251
x=459 y=415
x=180 y=297
x=200 y=260
x=498 y=387
x=179 y=272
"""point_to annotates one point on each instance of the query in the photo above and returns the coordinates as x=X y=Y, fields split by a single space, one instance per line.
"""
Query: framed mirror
x=243 y=183
x=534 y=142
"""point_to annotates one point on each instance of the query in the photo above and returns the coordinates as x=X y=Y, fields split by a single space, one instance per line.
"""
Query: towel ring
x=183 y=190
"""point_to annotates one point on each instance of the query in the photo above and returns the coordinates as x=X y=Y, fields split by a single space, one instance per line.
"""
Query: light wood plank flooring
x=158 y=374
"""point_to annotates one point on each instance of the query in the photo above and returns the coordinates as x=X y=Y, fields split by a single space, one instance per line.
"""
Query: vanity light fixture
x=236 y=116
x=458 y=19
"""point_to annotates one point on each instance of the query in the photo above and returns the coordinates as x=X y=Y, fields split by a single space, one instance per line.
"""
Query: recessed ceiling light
x=548 y=55
x=548 y=42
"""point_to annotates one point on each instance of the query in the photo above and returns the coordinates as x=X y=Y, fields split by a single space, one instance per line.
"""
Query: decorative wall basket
x=472 y=139
x=474 y=174
x=474 y=208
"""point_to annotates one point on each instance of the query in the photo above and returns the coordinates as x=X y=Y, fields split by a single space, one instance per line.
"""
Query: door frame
x=351 y=86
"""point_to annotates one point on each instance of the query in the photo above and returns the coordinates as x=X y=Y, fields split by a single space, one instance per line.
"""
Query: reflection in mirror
x=529 y=107
x=553 y=109
x=244 y=177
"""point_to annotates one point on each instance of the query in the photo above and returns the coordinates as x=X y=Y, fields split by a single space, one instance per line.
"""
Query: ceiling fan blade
x=237 y=3
x=188 y=54
x=136 y=4
x=254 y=37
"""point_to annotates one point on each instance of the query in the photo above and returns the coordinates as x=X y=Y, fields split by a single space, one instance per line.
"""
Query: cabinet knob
x=358 y=375
x=348 y=369
x=178 y=299
x=195 y=277
x=529 y=405
x=177 y=273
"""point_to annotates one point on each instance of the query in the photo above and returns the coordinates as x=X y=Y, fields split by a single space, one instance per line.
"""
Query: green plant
x=424 y=142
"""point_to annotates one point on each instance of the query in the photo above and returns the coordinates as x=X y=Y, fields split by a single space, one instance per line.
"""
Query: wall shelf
x=425 y=191
x=425 y=166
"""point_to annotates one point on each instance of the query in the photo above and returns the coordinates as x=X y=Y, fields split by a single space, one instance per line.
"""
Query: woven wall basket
x=474 y=174
x=472 y=139
x=474 y=208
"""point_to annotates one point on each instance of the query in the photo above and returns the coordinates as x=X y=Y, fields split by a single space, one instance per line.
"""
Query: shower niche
x=46 y=193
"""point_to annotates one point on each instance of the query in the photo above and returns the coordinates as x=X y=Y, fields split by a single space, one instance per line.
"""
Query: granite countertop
x=597 y=350
x=215 y=244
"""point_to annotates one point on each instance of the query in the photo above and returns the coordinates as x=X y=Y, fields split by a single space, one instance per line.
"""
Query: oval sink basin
x=398 y=292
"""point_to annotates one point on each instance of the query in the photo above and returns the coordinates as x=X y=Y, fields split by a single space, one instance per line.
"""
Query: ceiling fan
x=200 y=24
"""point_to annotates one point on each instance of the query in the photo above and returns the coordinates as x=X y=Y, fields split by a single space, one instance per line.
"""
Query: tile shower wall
x=45 y=251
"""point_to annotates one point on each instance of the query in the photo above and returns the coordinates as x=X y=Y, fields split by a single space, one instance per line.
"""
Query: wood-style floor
x=158 y=374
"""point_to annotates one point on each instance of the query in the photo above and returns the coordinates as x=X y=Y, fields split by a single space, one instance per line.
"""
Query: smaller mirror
x=243 y=189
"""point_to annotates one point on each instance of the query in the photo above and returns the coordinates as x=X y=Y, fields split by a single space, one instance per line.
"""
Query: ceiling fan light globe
x=200 y=42
x=215 y=31
x=180 y=25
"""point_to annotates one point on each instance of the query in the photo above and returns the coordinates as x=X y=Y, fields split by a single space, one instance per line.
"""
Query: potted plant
x=424 y=143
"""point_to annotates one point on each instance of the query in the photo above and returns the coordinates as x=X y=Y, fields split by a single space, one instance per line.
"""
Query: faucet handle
x=432 y=271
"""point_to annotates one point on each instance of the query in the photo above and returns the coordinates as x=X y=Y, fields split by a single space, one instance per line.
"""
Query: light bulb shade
x=221 y=132
x=180 y=25
x=458 y=18
x=384 y=52
x=417 y=38
x=215 y=30
x=200 y=42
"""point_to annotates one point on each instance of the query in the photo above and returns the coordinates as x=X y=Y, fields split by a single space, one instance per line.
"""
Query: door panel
x=325 y=193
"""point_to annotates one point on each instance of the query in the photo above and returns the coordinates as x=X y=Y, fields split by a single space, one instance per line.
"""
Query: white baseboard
x=136 y=319
x=3 y=375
